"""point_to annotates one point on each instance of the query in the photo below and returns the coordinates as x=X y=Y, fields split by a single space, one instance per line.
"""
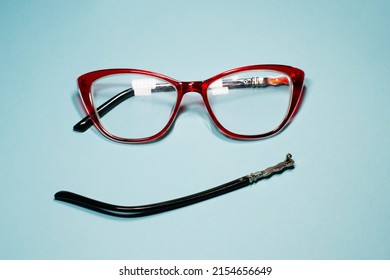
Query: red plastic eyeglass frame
x=85 y=82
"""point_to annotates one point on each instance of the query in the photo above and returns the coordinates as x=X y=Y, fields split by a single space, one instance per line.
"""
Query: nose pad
x=192 y=102
x=193 y=107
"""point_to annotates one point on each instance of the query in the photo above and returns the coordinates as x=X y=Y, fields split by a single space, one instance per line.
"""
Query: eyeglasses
x=138 y=106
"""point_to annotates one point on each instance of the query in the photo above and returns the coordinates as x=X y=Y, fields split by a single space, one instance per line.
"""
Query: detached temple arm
x=111 y=103
x=150 y=209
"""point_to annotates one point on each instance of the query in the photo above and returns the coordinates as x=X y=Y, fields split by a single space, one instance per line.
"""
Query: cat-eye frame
x=138 y=106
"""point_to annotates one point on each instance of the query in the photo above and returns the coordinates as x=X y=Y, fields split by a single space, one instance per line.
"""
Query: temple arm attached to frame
x=255 y=82
x=150 y=209
x=111 y=103
x=103 y=109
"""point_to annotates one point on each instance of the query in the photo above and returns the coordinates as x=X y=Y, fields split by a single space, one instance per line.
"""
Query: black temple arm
x=150 y=209
x=103 y=109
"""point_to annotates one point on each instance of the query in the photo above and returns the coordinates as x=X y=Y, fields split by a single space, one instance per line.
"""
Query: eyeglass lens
x=144 y=107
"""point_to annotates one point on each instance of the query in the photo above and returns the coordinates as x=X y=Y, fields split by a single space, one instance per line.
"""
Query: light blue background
x=333 y=205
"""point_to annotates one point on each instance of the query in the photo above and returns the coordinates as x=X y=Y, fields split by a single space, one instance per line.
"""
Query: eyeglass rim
x=296 y=76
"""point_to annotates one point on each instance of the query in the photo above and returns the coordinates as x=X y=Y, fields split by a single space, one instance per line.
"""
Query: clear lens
x=251 y=102
x=137 y=106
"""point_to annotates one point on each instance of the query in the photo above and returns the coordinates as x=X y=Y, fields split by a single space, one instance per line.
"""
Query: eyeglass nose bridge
x=195 y=86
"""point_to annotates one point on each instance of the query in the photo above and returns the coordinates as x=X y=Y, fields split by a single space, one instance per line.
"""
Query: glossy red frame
x=296 y=75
